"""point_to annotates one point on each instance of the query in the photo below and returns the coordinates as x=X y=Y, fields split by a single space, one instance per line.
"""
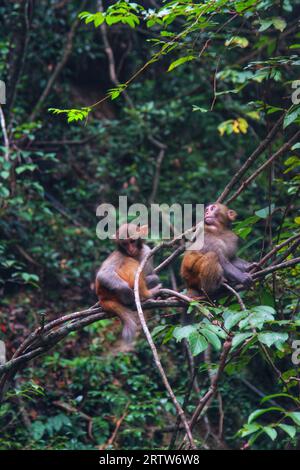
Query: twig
x=114 y=434
x=214 y=383
x=110 y=56
x=257 y=152
x=276 y=267
x=234 y=292
x=59 y=66
x=268 y=162
x=276 y=249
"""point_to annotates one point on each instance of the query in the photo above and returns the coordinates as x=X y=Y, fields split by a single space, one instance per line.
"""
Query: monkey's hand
x=155 y=290
x=252 y=266
x=246 y=280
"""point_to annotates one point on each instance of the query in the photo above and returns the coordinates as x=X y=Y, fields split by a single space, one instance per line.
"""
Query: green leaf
x=197 y=343
x=180 y=61
x=233 y=318
x=181 y=332
x=270 y=337
x=211 y=337
x=240 y=338
x=279 y=395
x=248 y=429
x=237 y=41
x=295 y=416
x=158 y=329
x=290 y=430
x=279 y=23
x=197 y=108
x=265 y=212
x=291 y=116
x=271 y=432
x=253 y=416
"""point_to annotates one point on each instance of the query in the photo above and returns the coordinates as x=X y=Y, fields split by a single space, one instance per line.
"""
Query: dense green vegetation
x=188 y=91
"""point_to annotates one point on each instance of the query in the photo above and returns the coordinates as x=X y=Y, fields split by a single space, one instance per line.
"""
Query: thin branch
x=59 y=66
x=157 y=361
x=268 y=162
x=111 y=59
x=276 y=267
x=276 y=249
x=253 y=157
x=214 y=383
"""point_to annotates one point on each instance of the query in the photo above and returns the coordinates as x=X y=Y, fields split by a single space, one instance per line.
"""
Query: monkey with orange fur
x=115 y=278
x=216 y=262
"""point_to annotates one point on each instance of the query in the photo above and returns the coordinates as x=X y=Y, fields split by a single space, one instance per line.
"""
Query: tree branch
x=253 y=157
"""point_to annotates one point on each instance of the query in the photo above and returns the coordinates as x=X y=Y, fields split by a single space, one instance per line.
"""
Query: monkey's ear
x=143 y=231
x=232 y=215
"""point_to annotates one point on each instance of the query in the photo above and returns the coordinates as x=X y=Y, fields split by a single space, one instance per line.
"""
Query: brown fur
x=118 y=273
x=205 y=269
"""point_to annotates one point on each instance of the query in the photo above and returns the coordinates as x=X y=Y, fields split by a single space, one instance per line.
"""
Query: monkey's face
x=219 y=215
x=131 y=247
x=211 y=214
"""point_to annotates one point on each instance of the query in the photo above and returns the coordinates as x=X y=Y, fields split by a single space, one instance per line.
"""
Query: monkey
x=205 y=270
x=115 y=278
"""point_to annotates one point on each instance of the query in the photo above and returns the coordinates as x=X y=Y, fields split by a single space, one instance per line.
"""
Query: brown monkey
x=216 y=261
x=115 y=278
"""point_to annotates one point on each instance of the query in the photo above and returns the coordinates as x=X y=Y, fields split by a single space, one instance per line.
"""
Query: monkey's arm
x=234 y=274
x=241 y=264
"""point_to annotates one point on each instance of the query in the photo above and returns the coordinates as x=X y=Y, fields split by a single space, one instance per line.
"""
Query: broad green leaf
x=279 y=23
x=240 y=338
x=279 y=395
x=270 y=337
x=265 y=212
x=180 y=61
x=197 y=343
x=271 y=432
x=253 y=416
x=291 y=116
x=181 y=332
x=237 y=41
x=211 y=337
x=295 y=416
x=248 y=429
x=233 y=319
x=290 y=430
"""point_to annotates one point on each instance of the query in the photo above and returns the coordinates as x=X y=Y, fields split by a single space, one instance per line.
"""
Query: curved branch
x=158 y=363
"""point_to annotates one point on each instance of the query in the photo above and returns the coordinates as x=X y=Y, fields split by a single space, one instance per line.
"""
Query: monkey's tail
x=126 y=316
x=129 y=329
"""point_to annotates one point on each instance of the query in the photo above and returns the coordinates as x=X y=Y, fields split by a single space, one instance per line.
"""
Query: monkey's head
x=129 y=238
x=219 y=215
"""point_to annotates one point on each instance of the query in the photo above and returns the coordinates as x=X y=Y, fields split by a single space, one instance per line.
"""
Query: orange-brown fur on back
x=127 y=271
x=201 y=271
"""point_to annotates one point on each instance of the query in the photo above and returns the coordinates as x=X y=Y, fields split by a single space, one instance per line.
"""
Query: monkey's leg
x=126 y=316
